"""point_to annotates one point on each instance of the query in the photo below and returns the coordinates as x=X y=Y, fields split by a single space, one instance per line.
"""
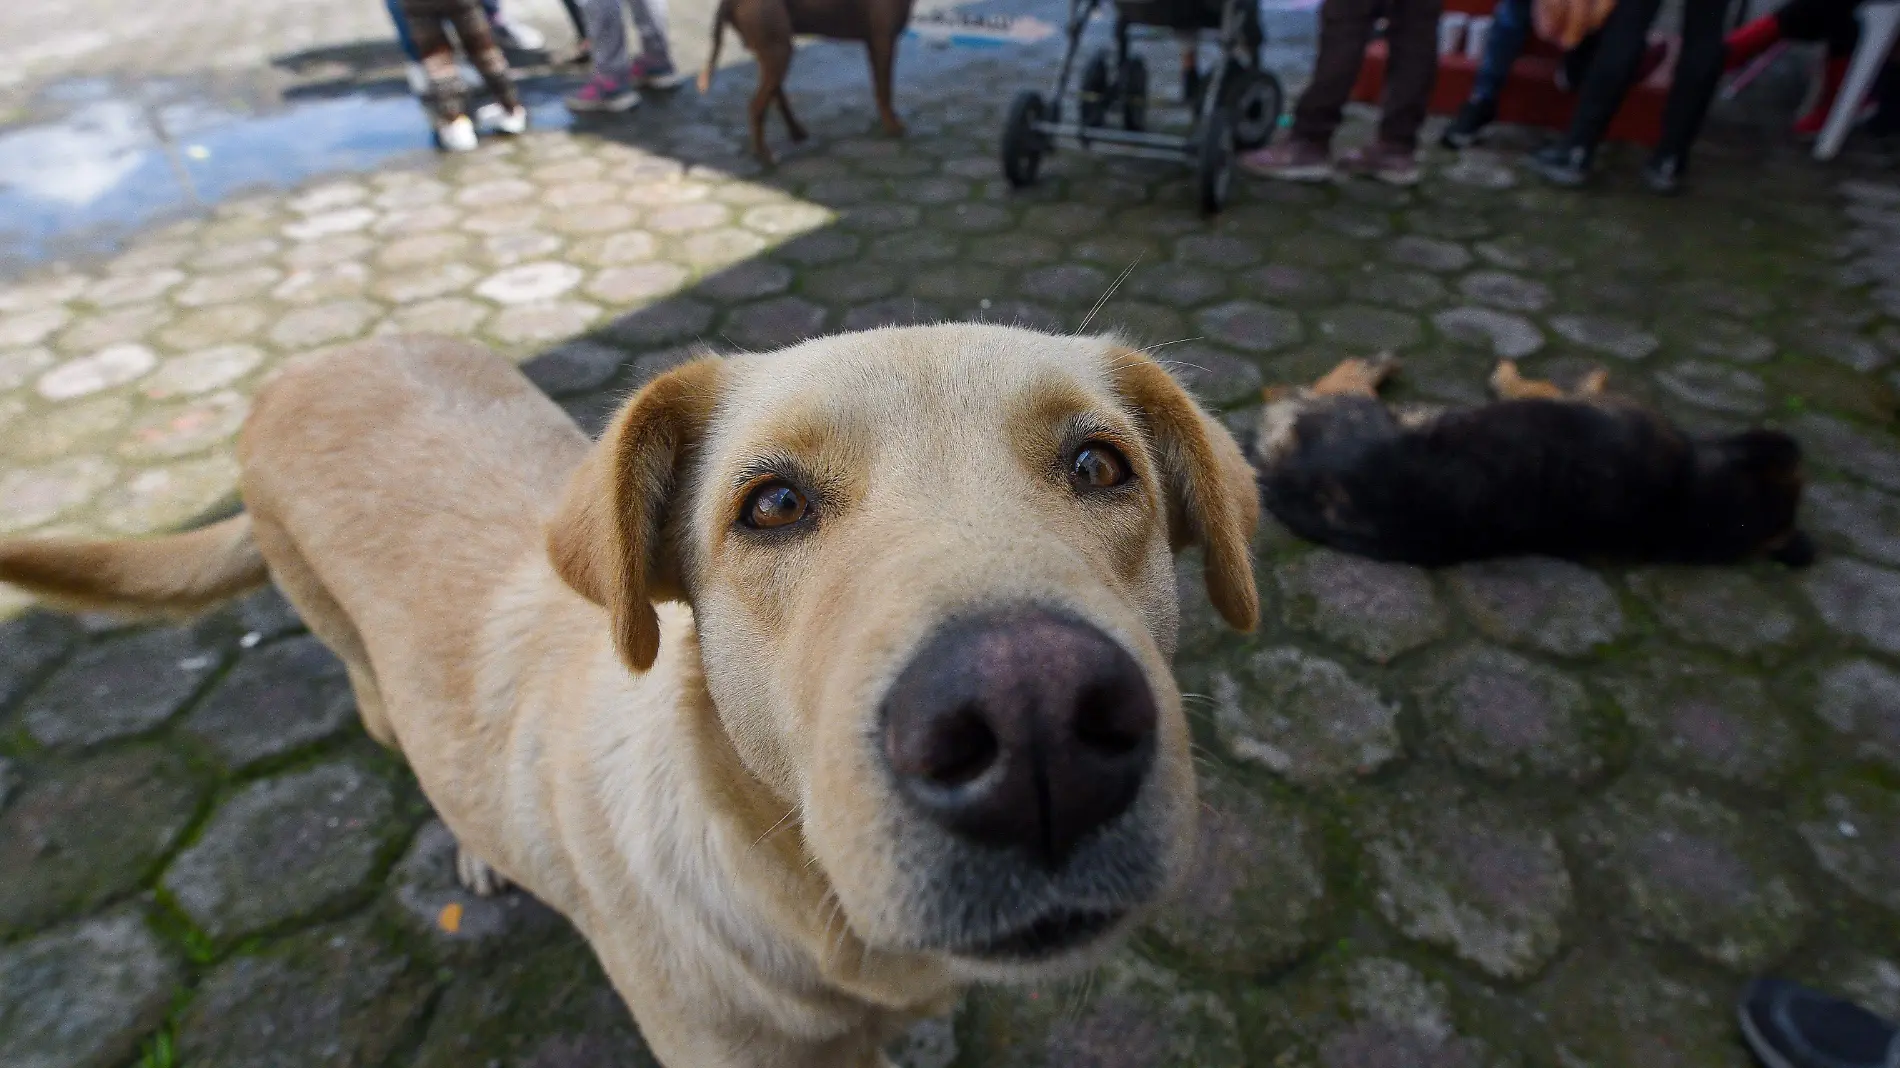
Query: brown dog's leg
x=775 y=58
x=791 y=121
x=1355 y=377
x=883 y=51
x=1509 y=384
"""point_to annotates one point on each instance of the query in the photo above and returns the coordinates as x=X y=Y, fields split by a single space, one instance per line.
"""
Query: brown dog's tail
x=721 y=16
x=140 y=577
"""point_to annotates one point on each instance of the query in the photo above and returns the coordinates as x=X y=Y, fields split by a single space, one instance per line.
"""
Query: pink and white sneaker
x=603 y=94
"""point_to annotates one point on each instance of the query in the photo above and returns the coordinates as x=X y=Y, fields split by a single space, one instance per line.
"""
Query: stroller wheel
x=1098 y=88
x=1023 y=144
x=1216 y=161
x=1254 y=104
x=1135 y=93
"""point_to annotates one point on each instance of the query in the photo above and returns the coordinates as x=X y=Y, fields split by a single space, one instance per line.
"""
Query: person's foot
x=603 y=94
x=1790 y=1026
x=518 y=35
x=502 y=120
x=1292 y=160
x=1383 y=162
x=654 y=72
x=1476 y=114
x=457 y=135
x=1561 y=164
x=1662 y=175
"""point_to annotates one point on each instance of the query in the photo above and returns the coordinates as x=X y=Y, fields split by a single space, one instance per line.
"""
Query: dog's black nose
x=1023 y=730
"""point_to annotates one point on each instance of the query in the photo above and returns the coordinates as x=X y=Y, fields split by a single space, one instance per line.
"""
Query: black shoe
x=1662 y=175
x=1472 y=118
x=1790 y=1026
x=1564 y=165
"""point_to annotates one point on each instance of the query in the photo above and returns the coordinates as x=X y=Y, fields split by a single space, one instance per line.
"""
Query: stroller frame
x=1235 y=107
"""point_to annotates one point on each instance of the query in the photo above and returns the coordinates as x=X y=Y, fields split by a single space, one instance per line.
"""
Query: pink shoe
x=602 y=94
x=1386 y=163
x=1292 y=160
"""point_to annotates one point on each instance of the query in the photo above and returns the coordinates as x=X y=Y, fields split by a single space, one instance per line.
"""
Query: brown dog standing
x=767 y=28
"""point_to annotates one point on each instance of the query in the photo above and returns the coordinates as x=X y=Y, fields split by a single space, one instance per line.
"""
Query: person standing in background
x=619 y=77
x=505 y=31
x=1412 y=66
x=428 y=22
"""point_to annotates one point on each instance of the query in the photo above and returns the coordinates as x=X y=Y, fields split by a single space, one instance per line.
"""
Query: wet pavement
x=1524 y=813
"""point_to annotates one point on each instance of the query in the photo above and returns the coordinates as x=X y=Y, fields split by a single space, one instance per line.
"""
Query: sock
x=1751 y=40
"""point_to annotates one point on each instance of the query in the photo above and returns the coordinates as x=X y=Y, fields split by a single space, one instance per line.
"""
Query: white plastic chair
x=1879 y=29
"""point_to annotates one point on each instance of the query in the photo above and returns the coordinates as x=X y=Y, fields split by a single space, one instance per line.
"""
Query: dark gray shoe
x=1564 y=165
x=1476 y=114
x=1791 y=1026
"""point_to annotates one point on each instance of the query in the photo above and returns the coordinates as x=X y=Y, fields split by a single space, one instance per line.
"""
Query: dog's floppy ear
x=1210 y=490
x=609 y=538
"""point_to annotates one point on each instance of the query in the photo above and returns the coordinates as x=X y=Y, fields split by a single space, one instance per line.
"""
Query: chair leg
x=1879 y=28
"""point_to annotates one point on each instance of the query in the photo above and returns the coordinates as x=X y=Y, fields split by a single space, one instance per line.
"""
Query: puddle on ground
x=109 y=163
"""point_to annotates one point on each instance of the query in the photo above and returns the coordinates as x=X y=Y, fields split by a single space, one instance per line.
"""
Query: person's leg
x=611 y=88
x=1510 y=28
x=1345 y=28
x=1619 y=55
x=649 y=21
x=472 y=26
x=404 y=39
x=446 y=98
x=578 y=20
x=1412 y=48
x=1698 y=75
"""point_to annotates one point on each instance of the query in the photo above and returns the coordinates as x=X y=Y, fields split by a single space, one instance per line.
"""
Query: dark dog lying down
x=1581 y=475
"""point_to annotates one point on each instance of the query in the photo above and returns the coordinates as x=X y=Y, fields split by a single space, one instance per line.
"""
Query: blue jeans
x=408 y=43
x=1510 y=28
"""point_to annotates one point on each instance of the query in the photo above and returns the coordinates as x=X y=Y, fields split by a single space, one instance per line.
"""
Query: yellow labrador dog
x=827 y=681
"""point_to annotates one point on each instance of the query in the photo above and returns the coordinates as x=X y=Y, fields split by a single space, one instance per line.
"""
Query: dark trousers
x=1619 y=55
x=1345 y=27
x=1832 y=21
x=429 y=22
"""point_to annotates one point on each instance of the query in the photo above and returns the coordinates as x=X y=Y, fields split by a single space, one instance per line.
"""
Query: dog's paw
x=476 y=876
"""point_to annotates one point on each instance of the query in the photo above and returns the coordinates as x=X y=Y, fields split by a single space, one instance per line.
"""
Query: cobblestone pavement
x=1525 y=813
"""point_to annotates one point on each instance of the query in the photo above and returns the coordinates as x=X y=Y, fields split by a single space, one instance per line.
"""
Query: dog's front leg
x=883 y=50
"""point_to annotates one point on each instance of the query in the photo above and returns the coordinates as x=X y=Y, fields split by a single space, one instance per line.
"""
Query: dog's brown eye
x=775 y=504
x=1098 y=466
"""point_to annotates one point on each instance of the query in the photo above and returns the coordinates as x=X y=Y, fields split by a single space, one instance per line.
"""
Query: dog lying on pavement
x=1578 y=474
x=825 y=682
x=768 y=26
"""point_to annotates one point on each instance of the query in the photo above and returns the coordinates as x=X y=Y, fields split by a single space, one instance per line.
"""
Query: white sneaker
x=500 y=120
x=418 y=78
x=519 y=36
x=457 y=136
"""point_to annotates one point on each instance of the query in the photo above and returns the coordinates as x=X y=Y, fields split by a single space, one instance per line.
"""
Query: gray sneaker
x=1383 y=162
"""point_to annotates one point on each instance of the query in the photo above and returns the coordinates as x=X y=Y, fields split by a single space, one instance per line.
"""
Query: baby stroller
x=1234 y=107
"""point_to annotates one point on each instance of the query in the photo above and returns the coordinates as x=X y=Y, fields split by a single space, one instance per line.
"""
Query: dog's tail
x=721 y=16
x=174 y=575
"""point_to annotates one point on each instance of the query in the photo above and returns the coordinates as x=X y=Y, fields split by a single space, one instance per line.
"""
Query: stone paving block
x=1725 y=390
x=284 y=847
x=1249 y=326
x=265 y=615
x=121 y=686
x=1690 y=870
x=1362 y=328
x=1304 y=718
x=1508 y=717
x=1858 y=600
x=578 y=366
x=1612 y=337
x=1839 y=444
x=453 y=922
x=1256 y=898
x=1737 y=612
x=330 y=997
x=83 y=996
x=1289 y=284
x=1546 y=604
x=1508 y=336
x=1706 y=718
x=277 y=699
x=1364 y=1011
x=30 y=645
x=1854 y=830
x=1474 y=876
x=1617 y=1006
x=88 y=832
x=1861 y=518
x=1860 y=701
x=1378 y=610
x=549 y=1006
x=1133 y=1014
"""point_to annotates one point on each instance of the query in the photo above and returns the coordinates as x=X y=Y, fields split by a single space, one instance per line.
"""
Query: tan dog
x=825 y=682
x=767 y=28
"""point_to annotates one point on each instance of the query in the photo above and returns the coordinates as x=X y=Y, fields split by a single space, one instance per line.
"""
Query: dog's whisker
x=1177 y=341
x=1112 y=287
x=773 y=829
